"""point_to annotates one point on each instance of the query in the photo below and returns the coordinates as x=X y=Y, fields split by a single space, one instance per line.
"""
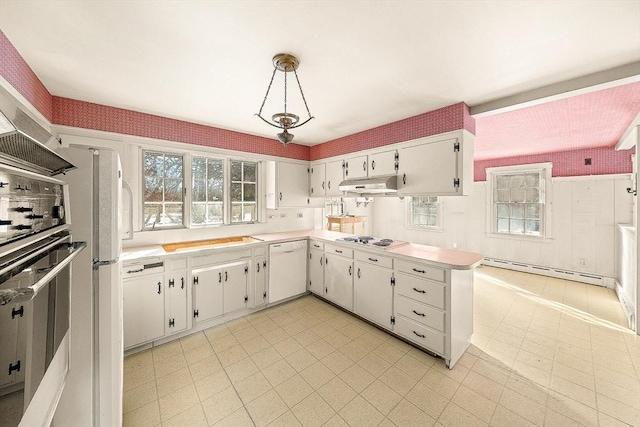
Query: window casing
x=425 y=212
x=519 y=200
x=207 y=191
x=243 y=191
x=163 y=201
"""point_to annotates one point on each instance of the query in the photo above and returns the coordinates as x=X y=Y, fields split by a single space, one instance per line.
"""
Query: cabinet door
x=317 y=180
x=176 y=302
x=429 y=169
x=373 y=294
x=207 y=293
x=383 y=163
x=9 y=334
x=355 y=167
x=143 y=306
x=338 y=283
x=260 y=290
x=236 y=279
x=334 y=173
x=293 y=185
x=316 y=271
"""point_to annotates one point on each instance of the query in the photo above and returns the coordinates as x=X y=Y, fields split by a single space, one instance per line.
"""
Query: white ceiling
x=363 y=63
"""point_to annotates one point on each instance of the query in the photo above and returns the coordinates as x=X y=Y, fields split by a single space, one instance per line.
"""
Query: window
x=163 y=190
x=244 y=207
x=518 y=199
x=207 y=189
x=425 y=212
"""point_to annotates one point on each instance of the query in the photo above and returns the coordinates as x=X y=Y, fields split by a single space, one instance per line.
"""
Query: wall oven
x=36 y=256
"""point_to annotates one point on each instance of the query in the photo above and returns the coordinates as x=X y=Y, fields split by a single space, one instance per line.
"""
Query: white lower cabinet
x=316 y=271
x=260 y=280
x=338 y=280
x=219 y=290
x=236 y=279
x=14 y=323
x=373 y=293
x=176 y=302
x=144 y=309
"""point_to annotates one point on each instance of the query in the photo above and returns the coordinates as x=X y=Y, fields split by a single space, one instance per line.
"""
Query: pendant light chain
x=285 y=93
x=268 y=89
x=301 y=93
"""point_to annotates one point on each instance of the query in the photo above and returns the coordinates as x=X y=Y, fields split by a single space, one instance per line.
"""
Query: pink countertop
x=453 y=258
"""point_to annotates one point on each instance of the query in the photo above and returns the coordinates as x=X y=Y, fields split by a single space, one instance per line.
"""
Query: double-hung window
x=207 y=191
x=244 y=189
x=519 y=199
x=425 y=212
x=163 y=204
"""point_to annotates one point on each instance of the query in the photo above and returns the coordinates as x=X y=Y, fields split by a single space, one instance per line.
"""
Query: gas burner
x=365 y=238
x=386 y=241
x=350 y=239
x=373 y=242
x=381 y=243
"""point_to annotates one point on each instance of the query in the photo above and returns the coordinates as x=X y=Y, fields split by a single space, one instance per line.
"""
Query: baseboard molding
x=627 y=305
x=576 y=276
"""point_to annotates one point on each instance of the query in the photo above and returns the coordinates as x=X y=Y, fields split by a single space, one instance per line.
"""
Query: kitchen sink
x=210 y=243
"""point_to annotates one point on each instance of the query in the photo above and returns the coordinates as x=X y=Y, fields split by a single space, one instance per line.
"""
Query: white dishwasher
x=287 y=270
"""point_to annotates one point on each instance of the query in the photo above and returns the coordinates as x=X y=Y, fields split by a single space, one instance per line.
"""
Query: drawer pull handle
x=418 y=335
x=338 y=251
x=159 y=288
x=420 y=291
x=373 y=259
x=419 y=271
x=135 y=271
x=316 y=246
x=418 y=314
x=358 y=273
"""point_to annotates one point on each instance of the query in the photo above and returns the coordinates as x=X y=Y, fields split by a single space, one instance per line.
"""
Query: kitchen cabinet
x=260 y=278
x=373 y=288
x=355 y=167
x=317 y=173
x=219 y=290
x=338 y=277
x=316 y=268
x=438 y=168
x=334 y=173
x=14 y=319
x=287 y=185
x=177 y=319
x=383 y=163
x=143 y=307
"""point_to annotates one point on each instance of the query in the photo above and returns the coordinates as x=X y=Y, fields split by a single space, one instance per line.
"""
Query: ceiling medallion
x=285 y=63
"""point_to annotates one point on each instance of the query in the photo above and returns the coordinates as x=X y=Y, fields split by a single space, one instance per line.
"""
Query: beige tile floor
x=545 y=352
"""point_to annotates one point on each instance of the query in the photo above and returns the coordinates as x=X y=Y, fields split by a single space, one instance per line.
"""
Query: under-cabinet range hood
x=374 y=186
x=23 y=143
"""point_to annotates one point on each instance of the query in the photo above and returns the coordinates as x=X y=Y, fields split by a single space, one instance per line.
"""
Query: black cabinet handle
x=159 y=288
x=373 y=259
x=309 y=255
x=258 y=264
x=316 y=246
x=373 y=164
x=280 y=196
x=15 y=367
x=404 y=178
x=6 y=221
x=323 y=185
x=219 y=277
x=329 y=185
x=135 y=271
x=320 y=260
x=420 y=291
x=226 y=276
x=419 y=271
x=418 y=314
x=338 y=251
x=358 y=273
x=311 y=190
x=182 y=283
x=264 y=264
x=419 y=335
x=364 y=166
x=349 y=270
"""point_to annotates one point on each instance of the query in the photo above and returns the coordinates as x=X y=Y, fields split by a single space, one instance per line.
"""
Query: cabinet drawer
x=142 y=268
x=260 y=250
x=420 y=334
x=420 y=313
x=178 y=264
x=338 y=250
x=375 y=259
x=425 y=291
x=421 y=270
x=221 y=257
x=316 y=245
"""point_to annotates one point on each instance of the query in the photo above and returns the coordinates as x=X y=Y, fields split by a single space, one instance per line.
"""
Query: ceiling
x=362 y=63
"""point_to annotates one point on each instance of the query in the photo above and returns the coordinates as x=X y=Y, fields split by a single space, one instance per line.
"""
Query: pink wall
x=567 y=163
x=19 y=75
x=453 y=117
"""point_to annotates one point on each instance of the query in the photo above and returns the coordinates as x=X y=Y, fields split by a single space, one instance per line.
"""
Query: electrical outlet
x=283 y=215
x=299 y=214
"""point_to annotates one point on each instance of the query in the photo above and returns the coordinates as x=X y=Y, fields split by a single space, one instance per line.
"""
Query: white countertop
x=448 y=258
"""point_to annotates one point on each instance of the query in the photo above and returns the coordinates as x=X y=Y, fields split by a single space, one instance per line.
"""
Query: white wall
x=585 y=211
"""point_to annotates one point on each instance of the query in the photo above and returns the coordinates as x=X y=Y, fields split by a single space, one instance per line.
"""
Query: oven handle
x=16 y=295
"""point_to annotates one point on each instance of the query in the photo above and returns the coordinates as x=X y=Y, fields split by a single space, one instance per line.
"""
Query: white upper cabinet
x=355 y=167
x=287 y=185
x=436 y=167
x=383 y=163
x=333 y=177
x=317 y=180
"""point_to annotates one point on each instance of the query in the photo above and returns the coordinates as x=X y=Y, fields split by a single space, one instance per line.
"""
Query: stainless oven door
x=34 y=324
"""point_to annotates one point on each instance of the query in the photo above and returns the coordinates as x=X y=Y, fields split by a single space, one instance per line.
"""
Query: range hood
x=23 y=143
x=374 y=186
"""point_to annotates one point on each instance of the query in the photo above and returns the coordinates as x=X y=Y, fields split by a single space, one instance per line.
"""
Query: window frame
x=206 y=203
x=545 y=172
x=242 y=203
x=143 y=187
x=439 y=213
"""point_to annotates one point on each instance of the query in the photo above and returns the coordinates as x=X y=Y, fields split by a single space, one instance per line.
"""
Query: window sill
x=161 y=228
x=429 y=229
x=537 y=239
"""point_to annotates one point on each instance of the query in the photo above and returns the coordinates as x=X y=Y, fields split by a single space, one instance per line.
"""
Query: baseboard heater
x=627 y=305
x=559 y=273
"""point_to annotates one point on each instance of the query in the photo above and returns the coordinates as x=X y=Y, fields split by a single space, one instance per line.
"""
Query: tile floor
x=545 y=352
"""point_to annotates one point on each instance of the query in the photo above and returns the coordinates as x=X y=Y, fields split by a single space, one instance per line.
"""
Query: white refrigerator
x=93 y=391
